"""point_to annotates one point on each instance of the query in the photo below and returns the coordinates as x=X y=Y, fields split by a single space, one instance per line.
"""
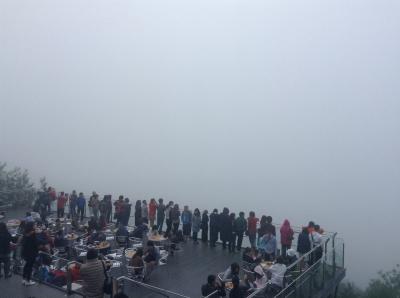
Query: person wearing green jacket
x=240 y=226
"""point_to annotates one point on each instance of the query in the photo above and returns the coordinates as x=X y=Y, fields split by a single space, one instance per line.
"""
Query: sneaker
x=29 y=283
x=23 y=281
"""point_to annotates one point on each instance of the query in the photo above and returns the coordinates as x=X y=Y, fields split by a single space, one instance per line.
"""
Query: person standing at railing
x=303 y=245
x=138 y=213
x=168 y=220
x=186 y=219
x=61 y=201
x=118 y=209
x=196 y=224
x=252 y=221
x=160 y=215
x=316 y=244
x=145 y=212
x=81 y=203
x=175 y=215
x=95 y=206
x=204 y=226
x=240 y=227
x=73 y=198
x=286 y=236
x=126 y=212
x=152 y=212
x=232 y=233
x=225 y=227
x=214 y=227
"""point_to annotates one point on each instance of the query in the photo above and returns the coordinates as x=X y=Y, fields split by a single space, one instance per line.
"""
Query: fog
x=288 y=108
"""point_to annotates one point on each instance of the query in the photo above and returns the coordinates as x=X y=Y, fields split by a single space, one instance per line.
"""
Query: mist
x=287 y=108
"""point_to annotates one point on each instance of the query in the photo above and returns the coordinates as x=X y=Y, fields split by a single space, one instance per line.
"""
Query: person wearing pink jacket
x=286 y=237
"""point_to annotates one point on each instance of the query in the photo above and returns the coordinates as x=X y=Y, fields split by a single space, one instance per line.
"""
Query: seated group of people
x=144 y=261
x=255 y=277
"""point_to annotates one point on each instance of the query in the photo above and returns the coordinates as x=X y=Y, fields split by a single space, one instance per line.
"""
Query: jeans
x=232 y=242
x=284 y=249
x=95 y=212
x=239 y=240
x=81 y=211
x=5 y=259
x=27 y=273
x=60 y=212
x=252 y=239
x=204 y=235
x=169 y=226
x=213 y=236
x=175 y=227
x=194 y=236
x=160 y=222
x=72 y=211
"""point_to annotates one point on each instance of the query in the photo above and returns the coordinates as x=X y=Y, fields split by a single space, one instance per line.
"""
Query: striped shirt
x=92 y=274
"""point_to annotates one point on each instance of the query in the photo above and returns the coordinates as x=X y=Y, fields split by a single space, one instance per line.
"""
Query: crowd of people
x=180 y=225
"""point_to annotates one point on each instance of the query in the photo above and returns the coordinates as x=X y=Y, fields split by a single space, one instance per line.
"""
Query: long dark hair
x=3 y=228
x=138 y=204
x=29 y=227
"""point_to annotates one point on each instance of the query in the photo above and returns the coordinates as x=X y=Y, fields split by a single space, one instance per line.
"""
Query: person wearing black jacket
x=303 y=244
x=204 y=226
x=126 y=212
x=214 y=227
x=212 y=286
x=226 y=227
x=29 y=252
x=138 y=213
x=5 y=239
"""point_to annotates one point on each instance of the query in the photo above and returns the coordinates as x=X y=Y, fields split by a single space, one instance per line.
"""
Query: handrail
x=211 y=294
x=301 y=275
x=256 y=292
x=307 y=254
x=161 y=291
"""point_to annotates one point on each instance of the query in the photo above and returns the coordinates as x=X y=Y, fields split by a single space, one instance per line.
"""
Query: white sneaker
x=23 y=281
x=29 y=283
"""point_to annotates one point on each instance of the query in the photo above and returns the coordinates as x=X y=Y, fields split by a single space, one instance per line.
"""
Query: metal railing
x=153 y=289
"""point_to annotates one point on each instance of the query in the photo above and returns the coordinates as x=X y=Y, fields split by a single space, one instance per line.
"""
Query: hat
x=259 y=270
x=291 y=252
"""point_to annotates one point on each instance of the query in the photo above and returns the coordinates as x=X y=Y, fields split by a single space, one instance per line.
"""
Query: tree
x=349 y=290
x=16 y=188
x=387 y=285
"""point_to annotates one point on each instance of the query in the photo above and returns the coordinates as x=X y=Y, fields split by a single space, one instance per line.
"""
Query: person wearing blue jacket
x=186 y=219
x=268 y=246
x=81 y=203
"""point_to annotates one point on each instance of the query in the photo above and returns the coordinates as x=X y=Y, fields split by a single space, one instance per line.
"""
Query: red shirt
x=152 y=209
x=252 y=224
x=62 y=200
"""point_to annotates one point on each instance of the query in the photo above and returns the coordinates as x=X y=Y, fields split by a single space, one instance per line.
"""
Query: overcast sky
x=291 y=108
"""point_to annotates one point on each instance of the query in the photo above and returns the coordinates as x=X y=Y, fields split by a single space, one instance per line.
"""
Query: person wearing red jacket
x=286 y=236
x=252 y=221
x=61 y=201
x=152 y=211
